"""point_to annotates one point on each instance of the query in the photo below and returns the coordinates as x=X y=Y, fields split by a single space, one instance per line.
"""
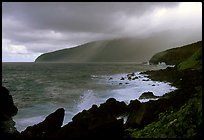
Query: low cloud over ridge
x=42 y=27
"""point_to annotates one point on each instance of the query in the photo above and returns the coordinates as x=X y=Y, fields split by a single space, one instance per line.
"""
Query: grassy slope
x=128 y=49
x=116 y=50
x=184 y=122
x=195 y=61
x=176 y=55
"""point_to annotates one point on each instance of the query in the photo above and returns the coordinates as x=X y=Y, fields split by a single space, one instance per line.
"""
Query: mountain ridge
x=126 y=49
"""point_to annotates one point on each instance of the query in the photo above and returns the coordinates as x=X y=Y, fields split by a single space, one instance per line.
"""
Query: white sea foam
x=68 y=117
x=22 y=122
x=87 y=100
x=126 y=90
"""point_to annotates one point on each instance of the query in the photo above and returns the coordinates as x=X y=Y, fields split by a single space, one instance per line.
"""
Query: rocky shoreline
x=107 y=120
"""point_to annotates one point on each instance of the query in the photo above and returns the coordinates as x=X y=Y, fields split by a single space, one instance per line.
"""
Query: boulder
x=97 y=122
x=141 y=114
x=148 y=95
x=47 y=128
x=110 y=78
x=134 y=78
x=122 y=78
x=113 y=107
x=131 y=76
x=7 y=110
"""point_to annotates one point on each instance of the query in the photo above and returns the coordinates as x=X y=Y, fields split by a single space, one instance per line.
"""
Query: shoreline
x=125 y=92
x=139 y=114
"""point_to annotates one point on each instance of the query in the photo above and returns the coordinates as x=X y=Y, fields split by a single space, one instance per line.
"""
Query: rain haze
x=31 y=28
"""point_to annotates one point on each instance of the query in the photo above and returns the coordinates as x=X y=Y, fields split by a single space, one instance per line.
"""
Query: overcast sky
x=30 y=29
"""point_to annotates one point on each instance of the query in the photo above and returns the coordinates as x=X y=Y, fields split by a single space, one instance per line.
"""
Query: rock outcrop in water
x=47 y=128
x=148 y=95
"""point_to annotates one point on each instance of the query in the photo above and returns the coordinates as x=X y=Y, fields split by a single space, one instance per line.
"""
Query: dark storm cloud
x=81 y=17
x=42 y=27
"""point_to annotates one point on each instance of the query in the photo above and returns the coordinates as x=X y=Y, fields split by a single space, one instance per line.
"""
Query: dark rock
x=142 y=114
x=110 y=78
x=147 y=95
x=107 y=129
x=134 y=78
x=7 y=107
x=97 y=122
x=145 y=79
x=110 y=107
x=130 y=76
x=97 y=127
x=120 y=83
x=126 y=83
x=133 y=105
x=7 y=110
x=122 y=78
x=133 y=113
x=47 y=128
x=113 y=107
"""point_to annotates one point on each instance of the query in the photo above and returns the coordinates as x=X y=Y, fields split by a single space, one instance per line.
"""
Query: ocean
x=38 y=89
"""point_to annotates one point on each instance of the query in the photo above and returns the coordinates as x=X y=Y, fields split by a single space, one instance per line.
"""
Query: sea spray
x=87 y=100
x=38 y=89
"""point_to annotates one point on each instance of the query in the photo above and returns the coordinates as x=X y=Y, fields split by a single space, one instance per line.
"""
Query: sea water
x=38 y=89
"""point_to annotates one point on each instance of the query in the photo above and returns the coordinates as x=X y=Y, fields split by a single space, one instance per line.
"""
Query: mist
x=30 y=29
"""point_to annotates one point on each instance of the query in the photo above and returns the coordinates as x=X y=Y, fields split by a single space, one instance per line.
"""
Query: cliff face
x=176 y=55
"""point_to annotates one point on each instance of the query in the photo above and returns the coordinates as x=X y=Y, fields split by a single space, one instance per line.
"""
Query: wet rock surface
x=148 y=95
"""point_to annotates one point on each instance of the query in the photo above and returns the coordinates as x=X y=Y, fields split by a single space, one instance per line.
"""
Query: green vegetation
x=116 y=50
x=129 y=49
x=176 y=55
x=195 y=61
x=182 y=123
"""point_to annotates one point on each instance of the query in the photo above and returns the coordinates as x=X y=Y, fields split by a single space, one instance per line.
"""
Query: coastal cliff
x=176 y=55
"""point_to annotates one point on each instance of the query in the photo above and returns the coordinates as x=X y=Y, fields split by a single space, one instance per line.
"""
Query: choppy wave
x=39 y=89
